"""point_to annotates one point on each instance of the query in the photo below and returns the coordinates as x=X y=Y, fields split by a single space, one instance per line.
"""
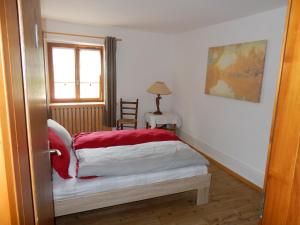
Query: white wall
x=142 y=58
x=235 y=133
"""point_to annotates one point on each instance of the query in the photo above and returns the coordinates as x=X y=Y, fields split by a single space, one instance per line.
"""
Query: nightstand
x=167 y=120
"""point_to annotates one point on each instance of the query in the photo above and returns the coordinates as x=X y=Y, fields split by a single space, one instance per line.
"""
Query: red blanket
x=104 y=139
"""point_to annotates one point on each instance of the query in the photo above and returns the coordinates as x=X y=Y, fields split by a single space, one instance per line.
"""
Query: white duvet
x=136 y=159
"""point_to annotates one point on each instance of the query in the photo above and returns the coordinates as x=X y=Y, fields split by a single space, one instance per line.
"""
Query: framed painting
x=236 y=71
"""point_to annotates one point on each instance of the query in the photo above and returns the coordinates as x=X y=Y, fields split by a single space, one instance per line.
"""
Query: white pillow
x=61 y=132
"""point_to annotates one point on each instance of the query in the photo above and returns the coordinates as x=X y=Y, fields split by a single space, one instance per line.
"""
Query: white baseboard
x=249 y=173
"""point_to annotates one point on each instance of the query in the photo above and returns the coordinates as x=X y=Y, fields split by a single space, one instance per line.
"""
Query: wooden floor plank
x=231 y=203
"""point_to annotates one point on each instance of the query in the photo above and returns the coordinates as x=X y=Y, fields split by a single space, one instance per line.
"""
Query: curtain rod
x=77 y=35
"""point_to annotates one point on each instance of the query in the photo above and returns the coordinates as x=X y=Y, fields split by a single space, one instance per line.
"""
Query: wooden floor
x=231 y=203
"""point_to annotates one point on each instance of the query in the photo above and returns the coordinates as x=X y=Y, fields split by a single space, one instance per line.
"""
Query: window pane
x=64 y=72
x=90 y=72
x=64 y=90
x=89 y=90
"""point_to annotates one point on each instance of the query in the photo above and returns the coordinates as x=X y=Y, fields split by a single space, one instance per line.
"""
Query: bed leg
x=202 y=195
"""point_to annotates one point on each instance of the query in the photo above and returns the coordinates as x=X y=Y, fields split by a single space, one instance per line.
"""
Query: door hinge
x=36 y=35
x=262 y=204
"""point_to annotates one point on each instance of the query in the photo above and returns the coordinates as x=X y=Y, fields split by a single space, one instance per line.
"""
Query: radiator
x=78 y=118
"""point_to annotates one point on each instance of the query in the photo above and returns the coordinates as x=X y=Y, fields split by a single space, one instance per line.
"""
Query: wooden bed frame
x=98 y=200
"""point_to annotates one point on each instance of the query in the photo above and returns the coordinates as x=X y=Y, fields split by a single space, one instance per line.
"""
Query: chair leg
x=122 y=126
x=118 y=125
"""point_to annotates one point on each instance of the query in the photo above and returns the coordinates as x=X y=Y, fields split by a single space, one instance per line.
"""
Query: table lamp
x=159 y=88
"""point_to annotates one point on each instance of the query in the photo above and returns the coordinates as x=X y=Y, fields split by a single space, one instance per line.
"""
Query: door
x=36 y=109
x=15 y=188
x=282 y=203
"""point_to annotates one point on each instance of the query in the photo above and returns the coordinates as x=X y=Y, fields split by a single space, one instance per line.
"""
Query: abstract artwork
x=236 y=71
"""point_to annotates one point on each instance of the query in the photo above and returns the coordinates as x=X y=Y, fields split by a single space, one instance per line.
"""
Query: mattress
x=75 y=187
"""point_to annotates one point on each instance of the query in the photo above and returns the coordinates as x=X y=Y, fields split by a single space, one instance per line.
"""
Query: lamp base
x=157 y=113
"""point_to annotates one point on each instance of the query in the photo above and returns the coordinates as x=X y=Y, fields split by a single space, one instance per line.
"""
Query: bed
x=76 y=195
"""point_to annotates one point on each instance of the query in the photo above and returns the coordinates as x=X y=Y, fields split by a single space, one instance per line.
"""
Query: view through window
x=75 y=72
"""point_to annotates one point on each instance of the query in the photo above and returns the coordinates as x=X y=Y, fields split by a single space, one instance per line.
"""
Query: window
x=75 y=72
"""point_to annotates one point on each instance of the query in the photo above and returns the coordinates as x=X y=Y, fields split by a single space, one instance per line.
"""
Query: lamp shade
x=159 y=88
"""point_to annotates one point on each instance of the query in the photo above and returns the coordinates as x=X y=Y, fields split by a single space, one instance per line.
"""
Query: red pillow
x=59 y=163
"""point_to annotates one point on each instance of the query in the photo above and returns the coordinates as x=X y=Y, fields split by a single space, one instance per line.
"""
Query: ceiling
x=167 y=16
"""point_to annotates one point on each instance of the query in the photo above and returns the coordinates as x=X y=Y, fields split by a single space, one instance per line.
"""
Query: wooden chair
x=128 y=114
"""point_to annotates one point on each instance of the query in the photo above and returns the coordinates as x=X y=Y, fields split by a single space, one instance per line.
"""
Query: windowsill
x=75 y=103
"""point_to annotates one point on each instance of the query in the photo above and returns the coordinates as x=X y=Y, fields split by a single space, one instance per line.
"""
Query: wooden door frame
x=277 y=91
x=284 y=160
x=16 y=194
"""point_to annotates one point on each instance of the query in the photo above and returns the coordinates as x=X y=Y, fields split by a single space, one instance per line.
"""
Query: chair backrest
x=129 y=109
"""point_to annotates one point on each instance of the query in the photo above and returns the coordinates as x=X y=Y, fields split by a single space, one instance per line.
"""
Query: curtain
x=110 y=45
